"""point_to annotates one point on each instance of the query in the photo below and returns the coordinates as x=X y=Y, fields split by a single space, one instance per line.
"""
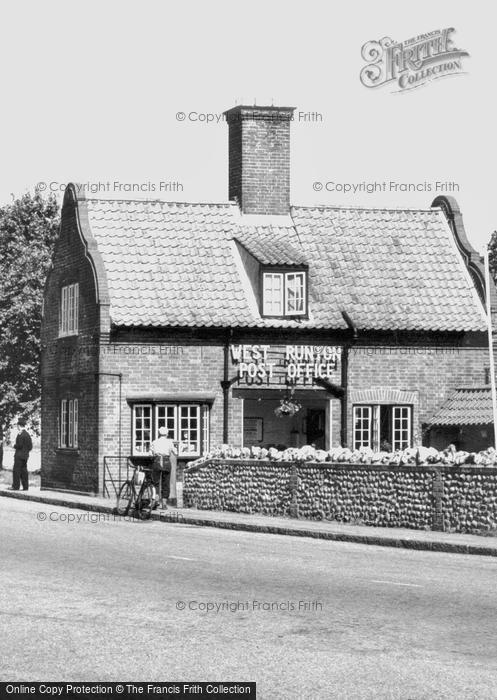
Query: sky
x=115 y=94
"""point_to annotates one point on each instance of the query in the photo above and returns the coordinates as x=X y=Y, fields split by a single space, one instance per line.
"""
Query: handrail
x=117 y=470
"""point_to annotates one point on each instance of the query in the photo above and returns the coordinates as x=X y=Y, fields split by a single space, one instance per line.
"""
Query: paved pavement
x=388 y=537
x=86 y=596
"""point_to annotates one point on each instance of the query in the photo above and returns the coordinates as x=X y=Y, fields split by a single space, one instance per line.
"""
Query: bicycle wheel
x=145 y=502
x=124 y=498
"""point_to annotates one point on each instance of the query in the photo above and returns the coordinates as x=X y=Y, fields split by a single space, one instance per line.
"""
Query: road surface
x=113 y=600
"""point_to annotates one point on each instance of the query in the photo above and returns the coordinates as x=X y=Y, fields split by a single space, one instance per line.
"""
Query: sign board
x=282 y=365
x=252 y=430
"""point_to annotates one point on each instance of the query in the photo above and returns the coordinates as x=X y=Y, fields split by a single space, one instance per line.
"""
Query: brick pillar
x=437 y=485
x=293 y=484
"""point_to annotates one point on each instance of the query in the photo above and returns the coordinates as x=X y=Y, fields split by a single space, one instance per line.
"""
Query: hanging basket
x=287 y=408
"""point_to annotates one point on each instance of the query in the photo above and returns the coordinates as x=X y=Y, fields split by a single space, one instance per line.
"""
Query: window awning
x=465 y=406
x=170 y=397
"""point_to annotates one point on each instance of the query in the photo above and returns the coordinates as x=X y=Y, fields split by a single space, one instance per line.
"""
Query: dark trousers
x=20 y=474
x=166 y=478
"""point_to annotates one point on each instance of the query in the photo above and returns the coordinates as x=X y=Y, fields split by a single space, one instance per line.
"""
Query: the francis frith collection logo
x=411 y=63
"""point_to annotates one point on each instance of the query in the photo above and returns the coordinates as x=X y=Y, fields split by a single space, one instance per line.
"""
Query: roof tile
x=173 y=264
x=466 y=406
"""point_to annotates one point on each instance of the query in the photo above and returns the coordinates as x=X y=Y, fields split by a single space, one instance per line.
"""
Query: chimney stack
x=259 y=158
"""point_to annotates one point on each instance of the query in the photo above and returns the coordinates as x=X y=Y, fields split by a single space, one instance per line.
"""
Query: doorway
x=315 y=428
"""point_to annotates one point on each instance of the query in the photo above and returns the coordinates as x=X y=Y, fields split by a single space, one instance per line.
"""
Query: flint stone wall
x=469 y=499
x=458 y=499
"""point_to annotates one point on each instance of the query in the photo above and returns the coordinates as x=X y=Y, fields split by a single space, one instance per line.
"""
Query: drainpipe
x=345 y=377
x=225 y=384
x=490 y=343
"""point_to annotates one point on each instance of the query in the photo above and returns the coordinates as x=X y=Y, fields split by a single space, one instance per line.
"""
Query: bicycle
x=137 y=493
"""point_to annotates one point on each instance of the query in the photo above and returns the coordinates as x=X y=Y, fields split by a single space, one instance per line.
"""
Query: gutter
x=345 y=378
x=225 y=384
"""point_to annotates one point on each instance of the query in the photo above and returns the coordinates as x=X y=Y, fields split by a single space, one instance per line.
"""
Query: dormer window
x=284 y=293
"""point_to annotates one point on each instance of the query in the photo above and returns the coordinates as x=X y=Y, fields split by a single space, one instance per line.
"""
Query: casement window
x=142 y=428
x=401 y=427
x=69 y=309
x=186 y=423
x=362 y=426
x=382 y=427
x=68 y=424
x=284 y=293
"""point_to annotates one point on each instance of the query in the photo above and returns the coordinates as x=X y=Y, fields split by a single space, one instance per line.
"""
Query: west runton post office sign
x=280 y=365
x=413 y=62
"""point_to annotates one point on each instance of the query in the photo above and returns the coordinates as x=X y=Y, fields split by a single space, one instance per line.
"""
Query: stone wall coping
x=423 y=468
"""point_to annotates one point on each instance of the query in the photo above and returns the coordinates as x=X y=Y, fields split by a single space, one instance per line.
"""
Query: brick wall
x=156 y=367
x=69 y=365
x=259 y=159
x=428 y=371
x=129 y=362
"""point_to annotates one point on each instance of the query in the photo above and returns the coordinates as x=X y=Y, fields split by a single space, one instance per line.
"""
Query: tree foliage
x=28 y=229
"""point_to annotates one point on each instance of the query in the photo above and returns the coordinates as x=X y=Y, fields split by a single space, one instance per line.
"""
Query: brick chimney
x=259 y=158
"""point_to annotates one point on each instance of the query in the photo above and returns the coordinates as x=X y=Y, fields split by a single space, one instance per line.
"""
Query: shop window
x=382 y=427
x=189 y=429
x=68 y=424
x=142 y=429
x=69 y=310
x=186 y=424
x=284 y=293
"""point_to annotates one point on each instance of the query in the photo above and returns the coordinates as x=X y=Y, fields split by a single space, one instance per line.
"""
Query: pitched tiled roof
x=176 y=264
x=388 y=268
x=466 y=406
x=168 y=264
x=272 y=245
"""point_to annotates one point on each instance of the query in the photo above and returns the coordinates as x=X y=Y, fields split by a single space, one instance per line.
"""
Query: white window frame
x=63 y=423
x=272 y=306
x=187 y=444
x=300 y=299
x=69 y=310
x=401 y=428
x=206 y=428
x=142 y=429
x=169 y=420
x=401 y=434
x=362 y=414
x=281 y=306
x=68 y=424
x=169 y=415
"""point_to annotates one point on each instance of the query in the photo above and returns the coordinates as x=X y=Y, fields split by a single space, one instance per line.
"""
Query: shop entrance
x=262 y=427
x=315 y=427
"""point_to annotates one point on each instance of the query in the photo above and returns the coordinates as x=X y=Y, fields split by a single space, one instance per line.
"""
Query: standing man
x=23 y=446
x=162 y=449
